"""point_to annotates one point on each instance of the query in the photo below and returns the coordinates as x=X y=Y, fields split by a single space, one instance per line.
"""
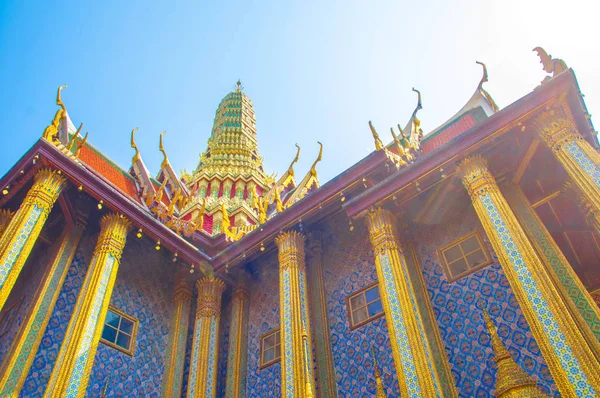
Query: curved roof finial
x=59 y=100
x=484 y=78
x=136 y=157
x=162 y=149
x=313 y=169
x=291 y=168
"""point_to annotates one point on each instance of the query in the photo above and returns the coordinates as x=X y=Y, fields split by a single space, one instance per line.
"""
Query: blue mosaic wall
x=144 y=295
x=23 y=292
x=348 y=266
x=48 y=351
x=460 y=321
x=263 y=316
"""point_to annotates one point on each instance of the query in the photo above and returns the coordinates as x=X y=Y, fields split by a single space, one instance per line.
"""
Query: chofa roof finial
x=550 y=65
x=162 y=149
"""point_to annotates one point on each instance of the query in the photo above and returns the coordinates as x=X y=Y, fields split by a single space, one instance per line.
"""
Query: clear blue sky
x=315 y=70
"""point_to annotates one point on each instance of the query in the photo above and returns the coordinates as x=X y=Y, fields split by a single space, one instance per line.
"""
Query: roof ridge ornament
x=162 y=149
x=483 y=91
x=550 y=65
x=378 y=144
x=137 y=156
x=51 y=132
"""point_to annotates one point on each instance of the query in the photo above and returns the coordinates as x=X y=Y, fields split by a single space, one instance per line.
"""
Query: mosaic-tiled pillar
x=202 y=382
x=325 y=369
x=25 y=226
x=24 y=346
x=71 y=372
x=572 y=363
x=296 y=369
x=178 y=329
x=570 y=287
x=579 y=159
x=412 y=355
x=237 y=355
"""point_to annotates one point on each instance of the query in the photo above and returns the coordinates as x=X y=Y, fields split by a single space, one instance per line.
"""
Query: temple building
x=458 y=262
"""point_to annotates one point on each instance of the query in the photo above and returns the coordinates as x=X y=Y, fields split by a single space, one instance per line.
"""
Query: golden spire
x=379 y=389
x=162 y=149
x=136 y=157
x=378 y=143
x=511 y=380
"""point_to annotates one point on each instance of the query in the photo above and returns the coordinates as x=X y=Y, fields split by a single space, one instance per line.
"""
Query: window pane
x=452 y=254
x=468 y=245
x=126 y=326
x=375 y=308
x=109 y=334
x=360 y=315
x=269 y=342
x=277 y=337
x=458 y=267
x=476 y=258
x=278 y=351
x=372 y=294
x=123 y=341
x=357 y=301
x=269 y=355
x=112 y=319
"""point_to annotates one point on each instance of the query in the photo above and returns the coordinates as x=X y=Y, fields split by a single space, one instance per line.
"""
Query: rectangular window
x=364 y=306
x=464 y=256
x=270 y=348
x=119 y=331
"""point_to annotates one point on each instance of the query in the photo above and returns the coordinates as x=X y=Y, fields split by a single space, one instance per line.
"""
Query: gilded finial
x=136 y=157
x=484 y=78
x=419 y=103
x=550 y=65
x=291 y=168
x=199 y=221
x=59 y=100
x=162 y=149
x=378 y=143
x=239 y=85
x=74 y=136
x=313 y=169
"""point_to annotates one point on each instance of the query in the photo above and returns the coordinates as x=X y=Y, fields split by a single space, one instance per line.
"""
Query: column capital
x=183 y=289
x=476 y=176
x=113 y=234
x=382 y=230
x=291 y=250
x=47 y=185
x=556 y=131
x=210 y=290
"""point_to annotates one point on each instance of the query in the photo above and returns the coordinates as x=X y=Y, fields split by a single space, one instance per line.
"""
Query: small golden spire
x=136 y=157
x=379 y=389
x=378 y=143
x=80 y=145
x=74 y=136
x=511 y=380
x=162 y=149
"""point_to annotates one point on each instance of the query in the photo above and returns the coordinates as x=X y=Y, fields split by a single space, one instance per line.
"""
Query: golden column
x=296 y=356
x=568 y=284
x=235 y=385
x=202 y=382
x=71 y=372
x=578 y=157
x=24 y=346
x=410 y=348
x=325 y=368
x=511 y=380
x=24 y=228
x=180 y=318
x=570 y=359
